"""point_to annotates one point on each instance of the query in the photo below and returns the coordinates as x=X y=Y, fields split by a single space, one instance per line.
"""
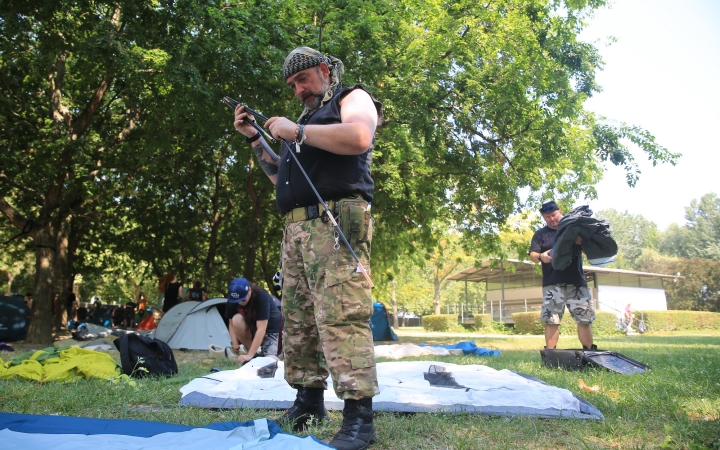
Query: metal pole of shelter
x=502 y=289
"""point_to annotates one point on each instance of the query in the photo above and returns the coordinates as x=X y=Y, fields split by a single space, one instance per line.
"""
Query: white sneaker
x=216 y=351
x=232 y=354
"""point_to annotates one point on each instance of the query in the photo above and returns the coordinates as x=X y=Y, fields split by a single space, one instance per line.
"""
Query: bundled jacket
x=597 y=241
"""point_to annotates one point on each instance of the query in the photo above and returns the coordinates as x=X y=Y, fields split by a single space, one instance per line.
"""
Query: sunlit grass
x=675 y=405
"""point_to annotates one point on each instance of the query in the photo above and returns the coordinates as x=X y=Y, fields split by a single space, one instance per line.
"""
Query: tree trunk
x=67 y=241
x=436 y=299
x=40 y=330
x=8 y=290
x=394 y=305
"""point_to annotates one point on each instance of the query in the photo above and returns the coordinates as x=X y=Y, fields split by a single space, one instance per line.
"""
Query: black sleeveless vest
x=334 y=176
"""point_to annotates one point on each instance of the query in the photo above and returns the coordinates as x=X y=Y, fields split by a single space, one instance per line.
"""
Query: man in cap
x=253 y=320
x=561 y=287
x=326 y=302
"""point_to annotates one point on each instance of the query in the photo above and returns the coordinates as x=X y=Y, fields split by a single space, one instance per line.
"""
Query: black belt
x=309 y=212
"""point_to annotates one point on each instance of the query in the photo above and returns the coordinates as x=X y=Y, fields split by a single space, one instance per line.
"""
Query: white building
x=516 y=286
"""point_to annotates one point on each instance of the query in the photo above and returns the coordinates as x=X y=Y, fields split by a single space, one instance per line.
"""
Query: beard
x=318 y=97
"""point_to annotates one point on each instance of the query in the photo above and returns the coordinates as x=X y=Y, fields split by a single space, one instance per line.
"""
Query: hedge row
x=605 y=323
x=680 y=320
x=529 y=323
x=441 y=322
x=482 y=322
x=449 y=322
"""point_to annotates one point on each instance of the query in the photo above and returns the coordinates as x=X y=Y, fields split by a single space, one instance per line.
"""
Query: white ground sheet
x=402 y=388
x=398 y=351
x=242 y=438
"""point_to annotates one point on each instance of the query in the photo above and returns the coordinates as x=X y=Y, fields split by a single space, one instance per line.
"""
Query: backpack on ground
x=143 y=356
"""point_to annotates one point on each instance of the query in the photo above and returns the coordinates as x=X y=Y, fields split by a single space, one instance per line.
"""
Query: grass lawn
x=675 y=405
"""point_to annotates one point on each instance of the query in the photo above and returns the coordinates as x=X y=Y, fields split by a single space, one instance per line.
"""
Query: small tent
x=14 y=318
x=194 y=325
x=380 y=324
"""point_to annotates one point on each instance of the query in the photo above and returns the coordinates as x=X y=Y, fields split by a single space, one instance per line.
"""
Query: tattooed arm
x=267 y=158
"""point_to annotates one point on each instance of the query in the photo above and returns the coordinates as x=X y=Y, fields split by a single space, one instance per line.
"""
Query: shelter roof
x=509 y=270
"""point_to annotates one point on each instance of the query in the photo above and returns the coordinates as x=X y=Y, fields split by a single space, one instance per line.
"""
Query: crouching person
x=254 y=320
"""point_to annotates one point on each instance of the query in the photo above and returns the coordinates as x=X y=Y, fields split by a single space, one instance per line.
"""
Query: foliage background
x=122 y=164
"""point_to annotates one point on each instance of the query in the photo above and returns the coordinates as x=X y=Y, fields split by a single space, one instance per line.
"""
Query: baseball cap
x=238 y=290
x=549 y=207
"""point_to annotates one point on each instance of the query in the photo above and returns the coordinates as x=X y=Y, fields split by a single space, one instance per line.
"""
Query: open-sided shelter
x=516 y=286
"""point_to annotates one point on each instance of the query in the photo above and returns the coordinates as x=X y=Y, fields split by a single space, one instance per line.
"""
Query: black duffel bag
x=143 y=356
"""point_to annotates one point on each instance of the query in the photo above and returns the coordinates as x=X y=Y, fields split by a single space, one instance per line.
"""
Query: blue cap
x=238 y=290
x=549 y=207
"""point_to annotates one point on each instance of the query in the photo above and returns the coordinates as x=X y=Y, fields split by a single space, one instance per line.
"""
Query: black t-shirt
x=543 y=240
x=265 y=309
x=196 y=294
x=171 y=296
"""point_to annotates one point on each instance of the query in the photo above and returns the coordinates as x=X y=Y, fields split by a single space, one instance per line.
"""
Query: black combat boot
x=357 y=431
x=592 y=347
x=309 y=403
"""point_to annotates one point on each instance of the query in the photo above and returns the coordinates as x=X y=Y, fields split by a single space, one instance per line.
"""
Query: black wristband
x=253 y=139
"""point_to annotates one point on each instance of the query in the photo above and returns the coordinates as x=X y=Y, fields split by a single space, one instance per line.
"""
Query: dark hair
x=197 y=284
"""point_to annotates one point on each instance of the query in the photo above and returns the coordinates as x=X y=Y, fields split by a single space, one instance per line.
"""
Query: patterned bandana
x=303 y=58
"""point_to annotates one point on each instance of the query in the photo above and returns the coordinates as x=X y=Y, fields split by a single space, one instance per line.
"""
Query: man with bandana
x=326 y=301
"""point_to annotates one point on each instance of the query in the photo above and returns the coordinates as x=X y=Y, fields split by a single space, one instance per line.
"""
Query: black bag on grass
x=143 y=356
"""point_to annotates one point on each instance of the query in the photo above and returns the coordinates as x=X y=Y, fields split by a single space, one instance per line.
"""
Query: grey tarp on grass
x=194 y=326
x=403 y=388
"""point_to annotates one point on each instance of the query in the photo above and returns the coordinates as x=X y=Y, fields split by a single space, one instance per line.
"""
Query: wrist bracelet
x=300 y=134
x=253 y=139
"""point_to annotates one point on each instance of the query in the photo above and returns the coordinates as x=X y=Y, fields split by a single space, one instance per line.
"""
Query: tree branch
x=9 y=181
x=81 y=123
x=12 y=214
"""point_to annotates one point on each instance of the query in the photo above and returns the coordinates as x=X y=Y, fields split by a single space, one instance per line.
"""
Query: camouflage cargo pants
x=577 y=299
x=327 y=309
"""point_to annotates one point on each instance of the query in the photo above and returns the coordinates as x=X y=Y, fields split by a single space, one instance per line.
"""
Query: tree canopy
x=116 y=141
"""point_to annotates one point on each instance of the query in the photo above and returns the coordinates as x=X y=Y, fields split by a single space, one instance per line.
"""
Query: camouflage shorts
x=577 y=299
x=269 y=345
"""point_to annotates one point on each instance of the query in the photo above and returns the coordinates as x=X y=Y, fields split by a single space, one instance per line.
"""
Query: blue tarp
x=380 y=324
x=469 y=348
x=35 y=427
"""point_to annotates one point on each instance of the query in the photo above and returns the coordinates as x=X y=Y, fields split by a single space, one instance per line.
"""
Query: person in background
x=254 y=320
x=72 y=305
x=196 y=293
x=118 y=316
x=172 y=290
x=130 y=308
x=95 y=311
x=142 y=305
x=28 y=299
x=629 y=314
x=561 y=288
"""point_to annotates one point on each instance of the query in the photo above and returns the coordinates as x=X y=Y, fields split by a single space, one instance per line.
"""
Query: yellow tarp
x=66 y=365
